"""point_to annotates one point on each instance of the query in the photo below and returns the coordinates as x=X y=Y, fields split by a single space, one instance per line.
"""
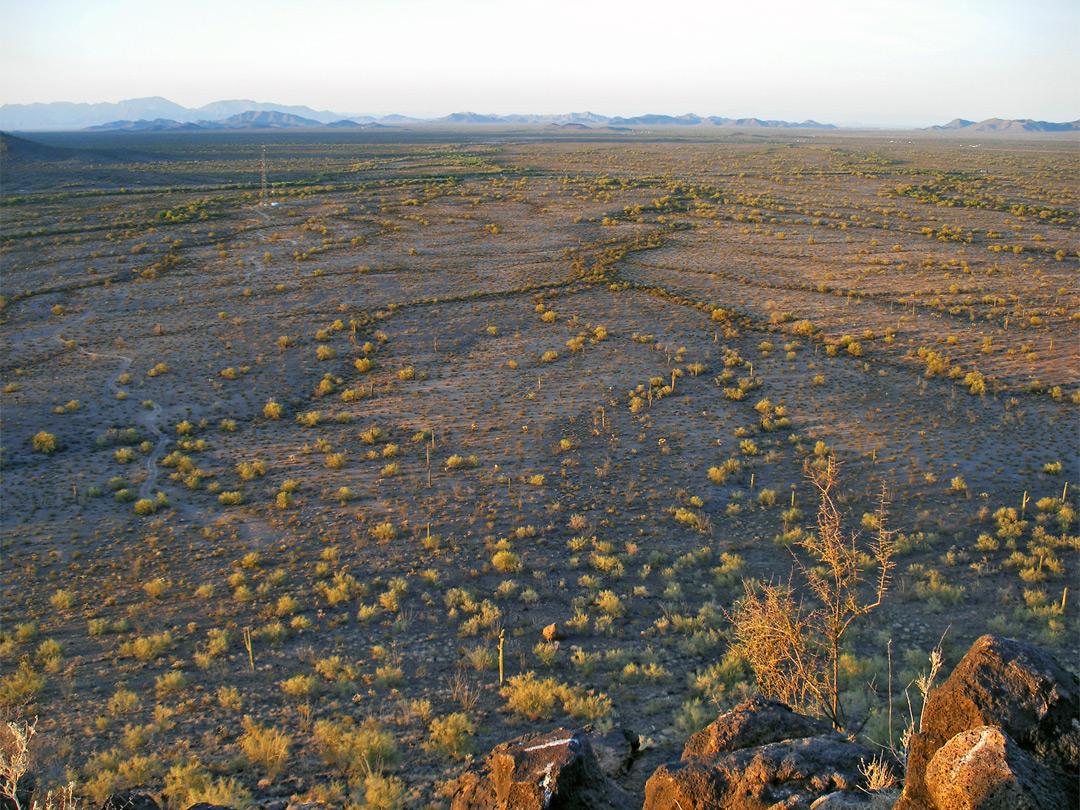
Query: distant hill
x=267 y=119
x=16 y=151
x=246 y=120
x=220 y=110
x=142 y=125
x=1004 y=125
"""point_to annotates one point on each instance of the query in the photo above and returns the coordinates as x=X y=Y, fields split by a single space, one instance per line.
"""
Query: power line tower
x=262 y=195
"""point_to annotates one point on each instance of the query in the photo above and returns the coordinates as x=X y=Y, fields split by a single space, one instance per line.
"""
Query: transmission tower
x=262 y=196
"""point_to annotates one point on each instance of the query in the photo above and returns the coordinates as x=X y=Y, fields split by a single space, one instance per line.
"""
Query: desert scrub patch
x=62 y=599
x=388 y=676
x=44 y=442
x=934 y=589
x=170 y=683
x=265 y=746
x=22 y=686
x=286 y=605
x=148 y=648
x=355 y=750
x=273 y=410
x=341 y=589
x=608 y=603
x=123 y=701
x=451 y=736
x=506 y=562
x=486 y=617
x=457 y=462
x=383 y=532
x=723 y=472
x=532 y=699
x=250 y=470
x=300 y=686
x=372 y=435
x=189 y=783
x=336 y=670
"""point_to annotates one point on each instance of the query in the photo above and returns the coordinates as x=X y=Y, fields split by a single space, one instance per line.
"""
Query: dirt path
x=150 y=419
x=151 y=422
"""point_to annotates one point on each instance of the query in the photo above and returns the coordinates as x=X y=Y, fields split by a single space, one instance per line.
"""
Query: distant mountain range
x=1015 y=126
x=161 y=115
x=157 y=114
x=66 y=115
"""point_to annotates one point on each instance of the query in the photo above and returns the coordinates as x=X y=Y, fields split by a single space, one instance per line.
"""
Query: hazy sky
x=839 y=61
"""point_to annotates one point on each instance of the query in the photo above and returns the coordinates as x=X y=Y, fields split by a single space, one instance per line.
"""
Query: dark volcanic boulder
x=615 y=751
x=540 y=772
x=130 y=800
x=24 y=792
x=791 y=774
x=753 y=722
x=984 y=769
x=1018 y=688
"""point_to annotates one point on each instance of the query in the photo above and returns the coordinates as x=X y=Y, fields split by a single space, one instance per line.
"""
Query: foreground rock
x=1024 y=696
x=985 y=768
x=759 y=755
x=753 y=722
x=540 y=772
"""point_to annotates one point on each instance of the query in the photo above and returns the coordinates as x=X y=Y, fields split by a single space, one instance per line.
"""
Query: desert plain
x=290 y=470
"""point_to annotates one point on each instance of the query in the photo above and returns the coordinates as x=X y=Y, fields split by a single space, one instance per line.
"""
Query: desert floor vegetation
x=285 y=486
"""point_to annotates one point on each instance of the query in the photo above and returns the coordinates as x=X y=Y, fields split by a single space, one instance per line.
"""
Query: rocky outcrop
x=1019 y=690
x=759 y=755
x=753 y=722
x=552 y=771
x=984 y=768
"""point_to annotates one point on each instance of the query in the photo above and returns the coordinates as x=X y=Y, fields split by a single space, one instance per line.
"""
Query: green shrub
x=45 y=443
x=300 y=686
x=189 y=783
x=355 y=750
x=533 y=699
x=21 y=686
x=506 y=562
x=170 y=683
x=452 y=735
x=264 y=746
x=62 y=600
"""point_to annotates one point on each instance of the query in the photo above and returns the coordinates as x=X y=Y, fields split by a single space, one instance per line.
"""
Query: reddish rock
x=552 y=771
x=984 y=769
x=753 y=722
x=790 y=775
x=1020 y=689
